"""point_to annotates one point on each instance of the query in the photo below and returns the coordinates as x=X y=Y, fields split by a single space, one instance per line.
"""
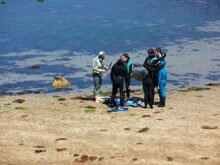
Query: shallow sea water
x=62 y=37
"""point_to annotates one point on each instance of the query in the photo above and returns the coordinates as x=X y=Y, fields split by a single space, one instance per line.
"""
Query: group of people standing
x=155 y=76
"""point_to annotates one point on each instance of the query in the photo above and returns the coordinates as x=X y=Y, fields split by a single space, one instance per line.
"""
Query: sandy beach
x=42 y=129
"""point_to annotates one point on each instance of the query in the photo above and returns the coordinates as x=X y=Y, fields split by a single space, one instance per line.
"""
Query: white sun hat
x=101 y=53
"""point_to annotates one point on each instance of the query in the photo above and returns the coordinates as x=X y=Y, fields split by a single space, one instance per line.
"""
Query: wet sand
x=45 y=129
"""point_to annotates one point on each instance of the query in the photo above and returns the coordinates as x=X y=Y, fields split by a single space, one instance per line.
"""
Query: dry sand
x=50 y=130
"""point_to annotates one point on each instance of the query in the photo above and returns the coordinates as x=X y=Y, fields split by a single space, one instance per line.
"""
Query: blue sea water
x=63 y=37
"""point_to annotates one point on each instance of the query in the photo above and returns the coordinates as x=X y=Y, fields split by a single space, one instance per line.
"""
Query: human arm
x=112 y=74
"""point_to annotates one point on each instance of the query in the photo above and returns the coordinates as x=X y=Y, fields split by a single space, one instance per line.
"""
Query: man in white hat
x=98 y=69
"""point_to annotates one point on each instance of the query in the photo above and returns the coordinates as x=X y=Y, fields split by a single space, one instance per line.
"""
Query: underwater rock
x=35 y=67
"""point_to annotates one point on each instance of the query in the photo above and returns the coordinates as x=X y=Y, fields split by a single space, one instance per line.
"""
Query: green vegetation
x=6 y=109
x=56 y=96
x=105 y=93
x=90 y=110
x=53 y=110
x=21 y=108
x=42 y=92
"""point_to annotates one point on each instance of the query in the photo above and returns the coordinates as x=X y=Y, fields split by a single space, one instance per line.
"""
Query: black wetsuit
x=119 y=74
x=148 y=91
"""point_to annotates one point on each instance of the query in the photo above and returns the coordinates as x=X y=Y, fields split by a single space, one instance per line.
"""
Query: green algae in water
x=213 y=84
x=194 y=89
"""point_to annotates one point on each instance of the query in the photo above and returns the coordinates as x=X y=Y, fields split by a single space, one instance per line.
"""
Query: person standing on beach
x=162 y=79
x=149 y=65
x=119 y=74
x=98 y=69
x=160 y=63
x=129 y=66
x=148 y=79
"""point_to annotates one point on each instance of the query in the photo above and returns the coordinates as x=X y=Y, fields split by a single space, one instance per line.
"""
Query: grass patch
x=42 y=92
x=53 y=110
x=132 y=114
x=56 y=96
x=105 y=93
x=6 y=109
x=195 y=89
x=21 y=108
x=90 y=110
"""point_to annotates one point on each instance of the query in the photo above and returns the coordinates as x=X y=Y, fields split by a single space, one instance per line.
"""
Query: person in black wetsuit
x=119 y=74
x=148 y=79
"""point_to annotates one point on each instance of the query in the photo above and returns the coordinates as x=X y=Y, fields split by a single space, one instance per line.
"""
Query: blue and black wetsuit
x=162 y=80
x=129 y=66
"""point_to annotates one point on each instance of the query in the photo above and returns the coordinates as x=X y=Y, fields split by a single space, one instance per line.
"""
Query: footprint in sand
x=92 y=158
x=61 y=99
x=101 y=159
x=209 y=127
x=24 y=116
x=61 y=139
x=75 y=155
x=85 y=158
x=144 y=116
x=39 y=149
x=127 y=129
x=156 y=112
x=146 y=129
x=204 y=158
x=61 y=149
x=170 y=158
x=19 y=101
x=135 y=159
